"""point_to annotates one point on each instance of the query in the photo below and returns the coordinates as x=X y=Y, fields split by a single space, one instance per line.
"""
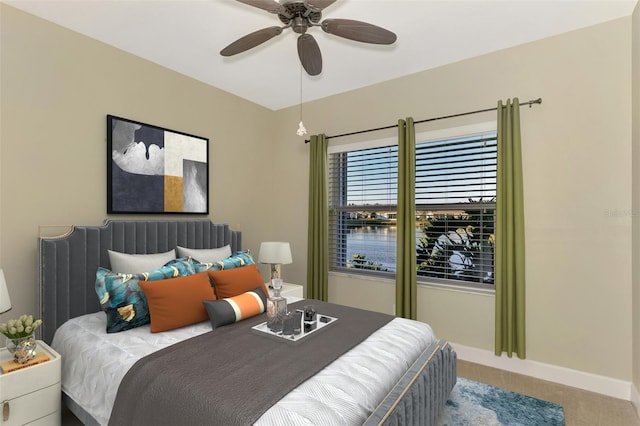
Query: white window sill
x=439 y=286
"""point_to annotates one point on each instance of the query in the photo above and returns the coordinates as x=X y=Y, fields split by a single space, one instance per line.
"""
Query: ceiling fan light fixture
x=299 y=25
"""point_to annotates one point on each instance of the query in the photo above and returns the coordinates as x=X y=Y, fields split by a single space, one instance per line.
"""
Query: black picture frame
x=153 y=170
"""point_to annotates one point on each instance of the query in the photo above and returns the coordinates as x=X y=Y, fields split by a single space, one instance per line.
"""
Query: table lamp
x=276 y=253
x=5 y=301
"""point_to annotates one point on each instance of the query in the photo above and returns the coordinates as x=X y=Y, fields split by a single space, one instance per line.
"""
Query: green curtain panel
x=509 y=232
x=318 y=238
x=406 y=276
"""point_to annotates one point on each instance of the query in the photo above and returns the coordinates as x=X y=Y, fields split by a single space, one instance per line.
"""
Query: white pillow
x=205 y=255
x=136 y=263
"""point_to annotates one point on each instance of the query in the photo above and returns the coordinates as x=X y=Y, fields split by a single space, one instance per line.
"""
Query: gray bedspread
x=231 y=375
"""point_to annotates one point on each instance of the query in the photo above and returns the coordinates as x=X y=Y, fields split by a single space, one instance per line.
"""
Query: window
x=455 y=208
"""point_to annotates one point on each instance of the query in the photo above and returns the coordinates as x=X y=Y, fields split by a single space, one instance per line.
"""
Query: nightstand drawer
x=40 y=405
x=50 y=420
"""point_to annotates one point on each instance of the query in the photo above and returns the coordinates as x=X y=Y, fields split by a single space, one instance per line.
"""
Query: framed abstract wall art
x=155 y=170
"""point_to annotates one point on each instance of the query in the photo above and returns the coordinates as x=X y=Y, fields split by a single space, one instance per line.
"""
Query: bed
x=397 y=373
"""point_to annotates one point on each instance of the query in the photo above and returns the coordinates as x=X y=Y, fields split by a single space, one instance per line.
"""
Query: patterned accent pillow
x=233 y=309
x=236 y=260
x=122 y=298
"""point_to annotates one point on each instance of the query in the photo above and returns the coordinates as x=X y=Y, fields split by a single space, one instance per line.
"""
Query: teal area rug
x=473 y=403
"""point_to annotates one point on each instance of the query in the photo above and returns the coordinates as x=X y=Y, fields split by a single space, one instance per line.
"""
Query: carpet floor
x=474 y=403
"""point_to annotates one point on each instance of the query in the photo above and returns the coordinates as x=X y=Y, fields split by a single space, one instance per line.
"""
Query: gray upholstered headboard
x=67 y=264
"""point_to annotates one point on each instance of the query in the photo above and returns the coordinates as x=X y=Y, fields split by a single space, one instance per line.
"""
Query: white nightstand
x=31 y=395
x=293 y=290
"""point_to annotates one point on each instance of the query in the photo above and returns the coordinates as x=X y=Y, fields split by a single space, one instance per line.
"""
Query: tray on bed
x=263 y=330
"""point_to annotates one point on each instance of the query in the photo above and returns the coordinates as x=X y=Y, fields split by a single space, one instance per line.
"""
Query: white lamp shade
x=5 y=301
x=275 y=252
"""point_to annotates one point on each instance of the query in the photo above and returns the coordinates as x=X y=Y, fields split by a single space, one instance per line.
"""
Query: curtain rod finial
x=536 y=101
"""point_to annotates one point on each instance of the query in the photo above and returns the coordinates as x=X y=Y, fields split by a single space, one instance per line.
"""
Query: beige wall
x=58 y=86
x=636 y=196
x=577 y=166
x=56 y=89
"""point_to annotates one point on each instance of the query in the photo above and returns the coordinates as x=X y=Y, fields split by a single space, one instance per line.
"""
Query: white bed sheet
x=343 y=393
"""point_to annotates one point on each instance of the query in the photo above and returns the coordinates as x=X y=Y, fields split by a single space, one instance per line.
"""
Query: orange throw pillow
x=232 y=282
x=177 y=302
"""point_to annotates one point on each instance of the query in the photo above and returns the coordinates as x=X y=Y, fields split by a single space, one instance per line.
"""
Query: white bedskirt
x=343 y=393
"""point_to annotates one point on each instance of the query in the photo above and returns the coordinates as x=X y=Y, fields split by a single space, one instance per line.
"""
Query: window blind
x=455 y=205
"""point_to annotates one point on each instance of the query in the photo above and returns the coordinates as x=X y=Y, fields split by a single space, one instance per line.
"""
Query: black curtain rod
x=530 y=103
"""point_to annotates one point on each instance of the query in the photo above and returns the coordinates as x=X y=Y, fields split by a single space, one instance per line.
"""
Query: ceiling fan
x=300 y=15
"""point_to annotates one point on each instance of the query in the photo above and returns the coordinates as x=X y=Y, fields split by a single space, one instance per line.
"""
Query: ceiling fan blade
x=270 y=6
x=309 y=54
x=358 y=31
x=320 y=4
x=250 y=41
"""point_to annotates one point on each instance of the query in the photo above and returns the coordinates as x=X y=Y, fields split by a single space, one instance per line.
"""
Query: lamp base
x=275 y=272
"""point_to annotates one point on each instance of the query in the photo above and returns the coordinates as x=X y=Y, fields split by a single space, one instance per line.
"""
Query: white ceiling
x=187 y=35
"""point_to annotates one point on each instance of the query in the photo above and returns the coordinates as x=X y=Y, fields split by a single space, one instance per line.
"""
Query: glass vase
x=276 y=312
x=23 y=349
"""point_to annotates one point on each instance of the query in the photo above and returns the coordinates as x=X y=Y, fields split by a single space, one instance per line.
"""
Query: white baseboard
x=635 y=399
x=578 y=379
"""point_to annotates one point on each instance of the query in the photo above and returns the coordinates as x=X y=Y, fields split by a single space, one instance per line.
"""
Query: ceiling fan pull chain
x=301 y=129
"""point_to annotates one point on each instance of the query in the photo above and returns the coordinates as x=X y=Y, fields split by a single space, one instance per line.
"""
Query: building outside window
x=455 y=207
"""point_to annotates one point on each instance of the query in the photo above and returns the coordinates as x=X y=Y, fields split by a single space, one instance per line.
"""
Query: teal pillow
x=236 y=260
x=122 y=298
